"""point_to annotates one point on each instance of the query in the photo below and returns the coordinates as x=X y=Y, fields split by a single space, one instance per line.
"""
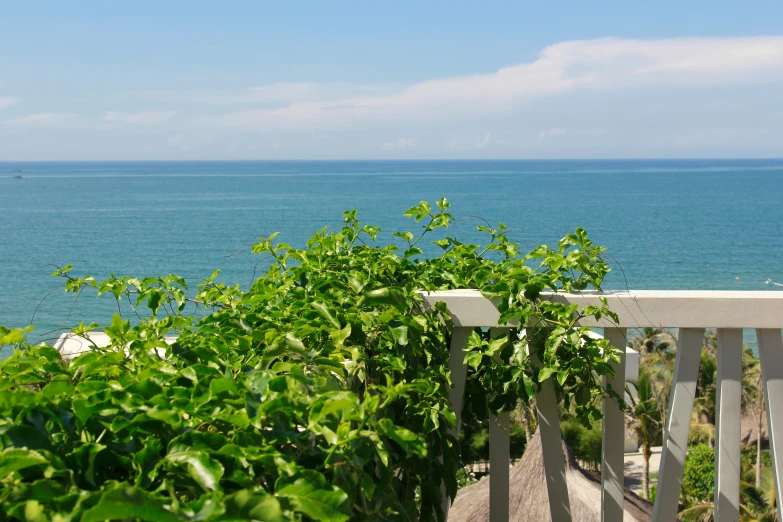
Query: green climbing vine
x=319 y=393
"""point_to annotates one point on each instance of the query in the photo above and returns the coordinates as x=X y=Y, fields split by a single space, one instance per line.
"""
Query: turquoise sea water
x=695 y=224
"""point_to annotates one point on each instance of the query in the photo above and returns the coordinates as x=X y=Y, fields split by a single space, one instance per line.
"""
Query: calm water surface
x=696 y=224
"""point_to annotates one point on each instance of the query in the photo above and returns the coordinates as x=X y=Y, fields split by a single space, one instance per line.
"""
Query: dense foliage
x=474 y=445
x=320 y=393
x=647 y=409
x=585 y=442
x=698 y=477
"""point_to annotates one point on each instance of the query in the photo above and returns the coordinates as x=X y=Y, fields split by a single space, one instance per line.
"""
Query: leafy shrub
x=478 y=446
x=700 y=434
x=475 y=446
x=320 y=393
x=698 y=479
x=586 y=443
x=518 y=441
x=465 y=478
x=748 y=457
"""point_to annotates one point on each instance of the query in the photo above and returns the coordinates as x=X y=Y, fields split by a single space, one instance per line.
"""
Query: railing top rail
x=639 y=308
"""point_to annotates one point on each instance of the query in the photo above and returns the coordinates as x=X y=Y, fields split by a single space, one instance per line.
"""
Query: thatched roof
x=749 y=430
x=528 y=497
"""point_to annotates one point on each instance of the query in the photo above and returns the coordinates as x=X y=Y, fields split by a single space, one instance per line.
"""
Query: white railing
x=689 y=311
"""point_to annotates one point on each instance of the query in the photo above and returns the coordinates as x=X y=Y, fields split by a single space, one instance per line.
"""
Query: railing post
x=459 y=372
x=771 y=357
x=551 y=445
x=499 y=457
x=727 y=426
x=678 y=423
x=613 y=444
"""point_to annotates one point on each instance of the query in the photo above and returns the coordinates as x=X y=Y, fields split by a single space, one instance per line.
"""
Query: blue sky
x=358 y=80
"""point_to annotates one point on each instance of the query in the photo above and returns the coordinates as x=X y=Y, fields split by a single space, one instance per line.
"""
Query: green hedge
x=698 y=478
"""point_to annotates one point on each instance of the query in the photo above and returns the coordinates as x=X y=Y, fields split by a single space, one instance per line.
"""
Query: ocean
x=669 y=224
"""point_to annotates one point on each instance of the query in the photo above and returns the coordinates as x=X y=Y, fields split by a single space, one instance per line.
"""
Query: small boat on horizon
x=17 y=177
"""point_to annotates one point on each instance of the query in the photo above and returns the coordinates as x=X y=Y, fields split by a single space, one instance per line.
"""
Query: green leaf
x=155 y=296
x=128 y=503
x=390 y=296
x=357 y=281
x=332 y=402
x=407 y=236
x=203 y=469
x=317 y=501
x=324 y=311
x=218 y=386
x=474 y=359
x=14 y=336
x=295 y=344
x=24 y=436
x=57 y=388
x=546 y=373
x=247 y=505
x=339 y=336
x=495 y=345
x=408 y=440
x=14 y=459
x=400 y=334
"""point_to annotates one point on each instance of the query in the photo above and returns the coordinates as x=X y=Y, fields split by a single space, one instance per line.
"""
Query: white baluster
x=678 y=423
x=727 y=426
x=499 y=456
x=552 y=448
x=613 y=447
x=771 y=356
x=459 y=372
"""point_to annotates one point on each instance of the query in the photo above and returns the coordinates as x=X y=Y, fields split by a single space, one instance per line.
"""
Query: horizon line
x=738 y=158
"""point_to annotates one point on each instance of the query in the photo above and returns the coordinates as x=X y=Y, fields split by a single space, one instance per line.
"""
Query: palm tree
x=644 y=421
x=704 y=404
x=706 y=389
x=704 y=512
x=525 y=414
x=652 y=340
x=753 y=400
x=760 y=503
x=657 y=350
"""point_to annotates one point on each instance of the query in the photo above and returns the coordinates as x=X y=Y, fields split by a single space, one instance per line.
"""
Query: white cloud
x=400 y=144
x=484 y=142
x=551 y=133
x=283 y=92
x=44 y=119
x=304 y=91
x=607 y=63
x=141 y=118
x=270 y=95
x=608 y=97
x=7 y=101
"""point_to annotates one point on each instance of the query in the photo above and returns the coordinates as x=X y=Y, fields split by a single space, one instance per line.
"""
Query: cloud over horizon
x=143 y=118
x=606 y=97
x=44 y=119
x=581 y=65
